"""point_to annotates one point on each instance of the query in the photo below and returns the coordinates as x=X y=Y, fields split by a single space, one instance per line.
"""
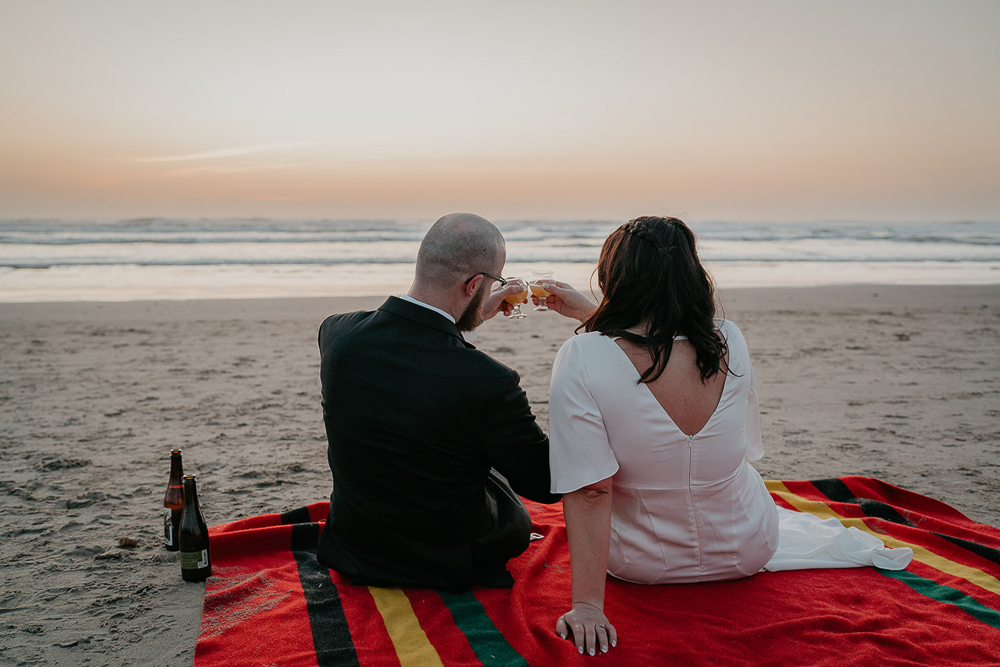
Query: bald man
x=430 y=440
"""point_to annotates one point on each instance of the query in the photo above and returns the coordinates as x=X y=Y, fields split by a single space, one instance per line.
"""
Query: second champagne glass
x=517 y=298
x=539 y=291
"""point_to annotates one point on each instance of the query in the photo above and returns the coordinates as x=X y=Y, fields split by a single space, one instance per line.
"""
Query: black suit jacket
x=415 y=418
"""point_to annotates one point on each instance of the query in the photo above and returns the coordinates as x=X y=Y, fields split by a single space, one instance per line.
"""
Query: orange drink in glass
x=517 y=298
x=538 y=277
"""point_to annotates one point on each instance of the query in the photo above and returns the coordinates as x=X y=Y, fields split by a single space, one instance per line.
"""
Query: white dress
x=684 y=508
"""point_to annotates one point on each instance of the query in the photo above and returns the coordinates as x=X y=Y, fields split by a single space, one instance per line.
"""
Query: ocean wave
x=539 y=260
x=197 y=231
x=33 y=244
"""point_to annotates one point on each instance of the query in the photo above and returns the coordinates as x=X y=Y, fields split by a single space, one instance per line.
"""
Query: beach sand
x=900 y=383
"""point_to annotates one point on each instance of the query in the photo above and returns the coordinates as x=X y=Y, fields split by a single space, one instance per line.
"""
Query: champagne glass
x=539 y=291
x=517 y=298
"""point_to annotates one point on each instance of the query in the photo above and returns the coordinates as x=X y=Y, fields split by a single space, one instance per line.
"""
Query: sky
x=716 y=110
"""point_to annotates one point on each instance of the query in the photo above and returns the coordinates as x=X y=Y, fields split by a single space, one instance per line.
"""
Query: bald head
x=456 y=247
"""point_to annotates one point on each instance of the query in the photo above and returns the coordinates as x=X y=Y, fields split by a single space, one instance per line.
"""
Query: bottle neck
x=190 y=493
x=176 y=469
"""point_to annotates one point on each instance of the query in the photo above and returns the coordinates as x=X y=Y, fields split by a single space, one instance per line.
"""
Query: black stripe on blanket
x=301 y=515
x=331 y=637
x=837 y=491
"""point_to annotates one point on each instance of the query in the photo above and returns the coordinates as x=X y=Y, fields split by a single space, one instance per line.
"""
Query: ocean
x=157 y=258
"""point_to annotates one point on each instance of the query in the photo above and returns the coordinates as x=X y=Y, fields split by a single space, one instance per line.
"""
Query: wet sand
x=900 y=383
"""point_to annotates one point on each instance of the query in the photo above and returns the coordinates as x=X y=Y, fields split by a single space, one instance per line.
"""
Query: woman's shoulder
x=735 y=341
x=587 y=341
x=727 y=328
x=721 y=324
x=584 y=347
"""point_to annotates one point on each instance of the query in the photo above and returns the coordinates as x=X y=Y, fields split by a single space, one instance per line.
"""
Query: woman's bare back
x=688 y=401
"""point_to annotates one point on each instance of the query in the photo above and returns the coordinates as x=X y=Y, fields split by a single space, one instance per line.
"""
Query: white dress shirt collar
x=469 y=336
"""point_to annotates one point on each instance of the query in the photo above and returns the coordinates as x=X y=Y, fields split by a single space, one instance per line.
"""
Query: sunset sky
x=725 y=110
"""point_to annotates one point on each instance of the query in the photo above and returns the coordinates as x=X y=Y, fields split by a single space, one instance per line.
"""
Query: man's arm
x=517 y=447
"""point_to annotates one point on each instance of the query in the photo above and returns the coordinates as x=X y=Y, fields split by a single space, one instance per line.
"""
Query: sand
x=900 y=383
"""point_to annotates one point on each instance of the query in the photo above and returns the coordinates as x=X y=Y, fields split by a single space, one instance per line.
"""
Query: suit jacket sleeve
x=517 y=447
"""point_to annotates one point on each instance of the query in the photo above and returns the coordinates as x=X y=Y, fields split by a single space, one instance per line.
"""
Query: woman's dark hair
x=649 y=272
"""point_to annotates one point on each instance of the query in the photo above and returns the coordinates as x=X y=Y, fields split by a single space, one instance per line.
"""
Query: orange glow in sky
x=716 y=110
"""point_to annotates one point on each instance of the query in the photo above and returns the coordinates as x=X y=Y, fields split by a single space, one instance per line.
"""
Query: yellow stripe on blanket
x=929 y=558
x=410 y=641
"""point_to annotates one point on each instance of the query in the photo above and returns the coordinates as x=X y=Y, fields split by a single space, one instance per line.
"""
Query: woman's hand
x=590 y=628
x=566 y=300
x=588 y=530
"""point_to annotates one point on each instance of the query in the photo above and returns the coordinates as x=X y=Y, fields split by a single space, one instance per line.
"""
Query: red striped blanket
x=271 y=603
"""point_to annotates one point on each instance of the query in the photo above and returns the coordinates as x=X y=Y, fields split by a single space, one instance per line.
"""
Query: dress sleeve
x=579 y=451
x=739 y=359
x=755 y=443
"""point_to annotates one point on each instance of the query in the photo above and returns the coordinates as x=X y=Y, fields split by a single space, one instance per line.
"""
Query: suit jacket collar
x=423 y=316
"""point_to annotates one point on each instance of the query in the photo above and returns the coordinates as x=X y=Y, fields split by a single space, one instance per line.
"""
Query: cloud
x=211 y=169
x=228 y=152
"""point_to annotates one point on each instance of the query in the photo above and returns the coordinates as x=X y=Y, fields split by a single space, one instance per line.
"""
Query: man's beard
x=473 y=315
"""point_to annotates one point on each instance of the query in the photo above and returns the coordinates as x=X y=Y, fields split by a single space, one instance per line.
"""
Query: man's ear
x=473 y=285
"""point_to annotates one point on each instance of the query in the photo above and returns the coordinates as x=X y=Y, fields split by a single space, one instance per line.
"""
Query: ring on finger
x=602 y=625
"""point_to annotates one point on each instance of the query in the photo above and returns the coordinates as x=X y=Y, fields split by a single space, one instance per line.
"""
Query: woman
x=652 y=421
x=653 y=417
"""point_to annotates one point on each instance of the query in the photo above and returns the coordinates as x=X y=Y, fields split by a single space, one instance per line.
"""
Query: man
x=416 y=418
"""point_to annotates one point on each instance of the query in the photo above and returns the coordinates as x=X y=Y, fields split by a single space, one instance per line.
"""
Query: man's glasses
x=503 y=283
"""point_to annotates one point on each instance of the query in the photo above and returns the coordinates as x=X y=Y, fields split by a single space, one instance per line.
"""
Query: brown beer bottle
x=173 y=502
x=196 y=564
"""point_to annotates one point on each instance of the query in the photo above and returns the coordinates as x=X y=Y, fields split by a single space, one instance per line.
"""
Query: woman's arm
x=588 y=529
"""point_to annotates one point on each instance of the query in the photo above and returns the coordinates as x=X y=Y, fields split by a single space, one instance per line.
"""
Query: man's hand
x=566 y=300
x=587 y=627
x=495 y=303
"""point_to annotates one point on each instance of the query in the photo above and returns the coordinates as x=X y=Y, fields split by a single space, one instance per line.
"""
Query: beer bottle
x=173 y=501
x=196 y=564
